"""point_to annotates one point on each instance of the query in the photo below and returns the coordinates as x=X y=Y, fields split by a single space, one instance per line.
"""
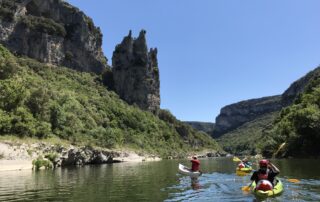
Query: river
x=155 y=181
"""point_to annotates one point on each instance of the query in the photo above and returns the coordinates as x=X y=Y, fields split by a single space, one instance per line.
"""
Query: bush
x=8 y=66
x=12 y=94
x=40 y=162
x=42 y=24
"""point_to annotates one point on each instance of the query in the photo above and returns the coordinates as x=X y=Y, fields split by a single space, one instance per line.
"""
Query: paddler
x=195 y=164
x=264 y=177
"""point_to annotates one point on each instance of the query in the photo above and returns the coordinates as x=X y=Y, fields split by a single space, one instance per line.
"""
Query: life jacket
x=241 y=165
x=264 y=185
x=262 y=176
x=195 y=165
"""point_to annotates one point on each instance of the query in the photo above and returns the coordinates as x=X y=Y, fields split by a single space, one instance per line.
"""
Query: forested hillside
x=40 y=100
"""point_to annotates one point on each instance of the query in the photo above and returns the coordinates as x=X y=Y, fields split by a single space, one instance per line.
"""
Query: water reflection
x=195 y=185
x=155 y=181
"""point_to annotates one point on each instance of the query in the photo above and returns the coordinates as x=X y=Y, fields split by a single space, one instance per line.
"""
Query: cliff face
x=201 y=126
x=51 y=31
x=299 y=86
x=136 y=74
x=234 y=115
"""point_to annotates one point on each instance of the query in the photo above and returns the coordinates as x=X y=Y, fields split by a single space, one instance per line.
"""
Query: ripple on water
x=210 y=187
x=227 y=187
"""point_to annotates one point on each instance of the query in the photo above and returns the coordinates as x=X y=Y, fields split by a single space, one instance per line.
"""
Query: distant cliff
x=52 y=31
x=206 y=127
x=135 y=72
x=235 y=115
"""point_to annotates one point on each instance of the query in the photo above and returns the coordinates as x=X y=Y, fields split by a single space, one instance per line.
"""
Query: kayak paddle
x=293 y=180
x=247 y=188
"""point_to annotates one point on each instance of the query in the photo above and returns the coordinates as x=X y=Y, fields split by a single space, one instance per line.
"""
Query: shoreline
x=19 y=156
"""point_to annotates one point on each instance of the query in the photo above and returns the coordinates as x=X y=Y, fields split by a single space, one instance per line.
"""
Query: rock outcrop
x=52 y=31
x=234 y=115
x=136 y=74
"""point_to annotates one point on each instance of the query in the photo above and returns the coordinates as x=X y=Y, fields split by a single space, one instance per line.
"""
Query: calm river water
x=155 y=181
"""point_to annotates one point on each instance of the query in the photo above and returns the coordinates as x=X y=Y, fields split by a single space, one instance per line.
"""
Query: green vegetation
x=7 y=10
x=51 y=157
x=42 y=24
x=46 y=102
x=298 y=126
x=41 y=162
x=246 y=140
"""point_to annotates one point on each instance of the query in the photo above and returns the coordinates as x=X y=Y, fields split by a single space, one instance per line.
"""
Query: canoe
x=277 y=190
x=246 y=170
x=186 y=171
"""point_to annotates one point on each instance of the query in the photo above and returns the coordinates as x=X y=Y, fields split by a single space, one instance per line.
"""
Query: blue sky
x=213 y=53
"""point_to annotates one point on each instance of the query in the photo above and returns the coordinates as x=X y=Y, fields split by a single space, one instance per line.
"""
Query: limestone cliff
x=206 y=127
x=299 y=86
x=234 y=115
x=51 y=31
x=135 y=72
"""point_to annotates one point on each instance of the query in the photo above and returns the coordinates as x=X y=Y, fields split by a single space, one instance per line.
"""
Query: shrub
x=40 y=162
x=42 y=24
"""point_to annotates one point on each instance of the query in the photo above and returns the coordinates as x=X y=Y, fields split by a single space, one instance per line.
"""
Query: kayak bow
x=186 y=171
x=277 y=190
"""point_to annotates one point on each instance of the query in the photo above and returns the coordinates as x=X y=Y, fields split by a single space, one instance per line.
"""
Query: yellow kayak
x=246 y=170
x=236 y=159
x=277 y=190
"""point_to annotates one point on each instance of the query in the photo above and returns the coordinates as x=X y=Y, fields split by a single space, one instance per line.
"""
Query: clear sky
x=212 y=53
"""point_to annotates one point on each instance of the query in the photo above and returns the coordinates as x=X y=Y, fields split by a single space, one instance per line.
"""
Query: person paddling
x=195 y=164
x=244 y=163
x=247 y=163
x=264 y=177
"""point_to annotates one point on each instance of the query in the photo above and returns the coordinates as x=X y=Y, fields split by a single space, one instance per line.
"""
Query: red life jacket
x=195 y=165
x=241 y=165
x=262 y=176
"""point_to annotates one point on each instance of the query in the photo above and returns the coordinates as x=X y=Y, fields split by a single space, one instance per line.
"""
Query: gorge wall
x=206 y=127
x=235 y=115
x=55 y=32
x=52 y=31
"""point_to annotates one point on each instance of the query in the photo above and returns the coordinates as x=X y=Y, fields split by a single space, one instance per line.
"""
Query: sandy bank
x=8 y=165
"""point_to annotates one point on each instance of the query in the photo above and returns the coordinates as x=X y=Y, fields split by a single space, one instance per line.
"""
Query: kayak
x=246 y=170
x=277 y=190
x=186 y=171
x=241 y=173
x=236 y=159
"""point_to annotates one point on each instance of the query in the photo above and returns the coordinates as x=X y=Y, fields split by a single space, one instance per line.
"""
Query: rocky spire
x=136 y=73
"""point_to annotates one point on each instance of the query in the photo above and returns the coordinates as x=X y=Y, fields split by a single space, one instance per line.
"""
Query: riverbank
x=19 y=156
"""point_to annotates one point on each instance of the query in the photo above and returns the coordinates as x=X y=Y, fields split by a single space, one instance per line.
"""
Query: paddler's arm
x=274 y=168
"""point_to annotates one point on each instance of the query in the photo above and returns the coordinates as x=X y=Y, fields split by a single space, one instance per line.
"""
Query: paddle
x=293 y=180
x=247 y=188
